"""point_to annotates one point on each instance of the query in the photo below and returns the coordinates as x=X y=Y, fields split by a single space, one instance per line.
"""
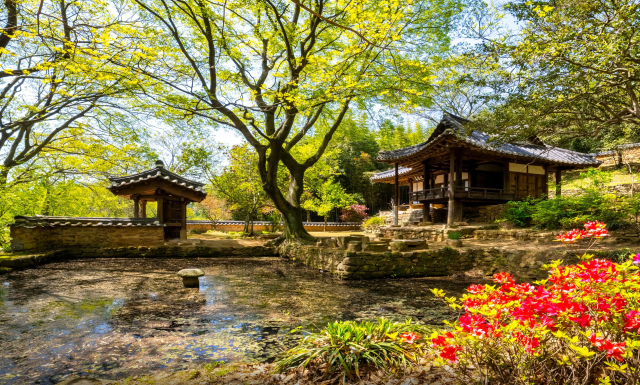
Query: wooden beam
x=558 y=183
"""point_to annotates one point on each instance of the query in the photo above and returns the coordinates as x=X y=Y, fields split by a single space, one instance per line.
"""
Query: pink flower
x=636 y=259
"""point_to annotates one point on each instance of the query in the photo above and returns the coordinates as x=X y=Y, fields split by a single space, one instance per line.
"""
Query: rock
x=375 y=247
x=354 y=246
x=461 y=223
x=454 y=242
x=398 y=246
x=422 y=224
x=190 y=277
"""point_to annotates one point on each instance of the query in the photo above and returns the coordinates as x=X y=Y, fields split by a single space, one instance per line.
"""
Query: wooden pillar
x=505 y=176
x=143 y=208
x=160 y=209
x=558 y=183
x=545 y=183
x=451 y=207
x=459 y=167
x=397 y=197
x=183 y=220
x=410 y=191
x=136 y=207
x=426 y=185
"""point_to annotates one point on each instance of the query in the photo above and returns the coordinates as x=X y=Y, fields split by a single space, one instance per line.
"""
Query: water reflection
x=121 y=317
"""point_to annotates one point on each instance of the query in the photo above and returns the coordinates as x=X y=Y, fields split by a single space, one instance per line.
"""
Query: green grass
x=573 y=179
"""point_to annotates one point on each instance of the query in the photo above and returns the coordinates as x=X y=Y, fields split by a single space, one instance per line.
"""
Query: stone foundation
x=483 y=214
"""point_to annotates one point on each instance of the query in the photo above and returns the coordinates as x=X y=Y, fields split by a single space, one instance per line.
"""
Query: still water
x=119 y=317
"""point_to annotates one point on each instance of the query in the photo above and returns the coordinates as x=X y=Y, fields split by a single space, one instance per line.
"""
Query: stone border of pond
x=9 y=262
x=357 y=257
x=351 y=259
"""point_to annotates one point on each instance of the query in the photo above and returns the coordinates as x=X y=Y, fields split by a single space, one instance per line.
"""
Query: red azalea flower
x=584 y=320
x=409 y=337
x=636 y=259
x=477 y=289
x=632 y=321
x=504 y=278
x=449 y=353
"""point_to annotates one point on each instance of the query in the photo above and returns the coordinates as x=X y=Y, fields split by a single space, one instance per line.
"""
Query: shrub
x=343 y=348
x=519 y=212
x=374 y=221
x=354 y=213
x=454 y=235
x=580 y=326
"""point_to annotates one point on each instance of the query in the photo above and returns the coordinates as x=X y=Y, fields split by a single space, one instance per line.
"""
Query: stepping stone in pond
x=190 y=277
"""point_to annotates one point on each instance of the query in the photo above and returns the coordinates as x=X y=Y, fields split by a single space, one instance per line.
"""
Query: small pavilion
x=171 y=192
x=459 y=167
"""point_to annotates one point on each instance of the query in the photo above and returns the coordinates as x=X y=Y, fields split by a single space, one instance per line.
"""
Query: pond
x=114 y=318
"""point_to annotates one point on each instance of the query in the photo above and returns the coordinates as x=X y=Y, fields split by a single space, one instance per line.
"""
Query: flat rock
x=190 y=273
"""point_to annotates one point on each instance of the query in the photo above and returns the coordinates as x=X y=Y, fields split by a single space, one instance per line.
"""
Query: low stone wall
x=238 y=226
x=368 y=265
x=523 y=264
x=39 y=238
x=27 y=261
x=629 y=153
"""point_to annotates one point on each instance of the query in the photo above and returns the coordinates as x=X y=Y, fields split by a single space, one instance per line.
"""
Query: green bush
x=374 y=221
x=519 y=213
x=567 y=211
x=343 y=348
x=454 y=235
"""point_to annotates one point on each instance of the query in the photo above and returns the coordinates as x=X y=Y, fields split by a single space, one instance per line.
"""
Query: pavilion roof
x=158 y=172
x=452 y=128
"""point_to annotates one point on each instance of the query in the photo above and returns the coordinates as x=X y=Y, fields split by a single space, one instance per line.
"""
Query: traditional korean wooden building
x=171 y=192
x=458 y=167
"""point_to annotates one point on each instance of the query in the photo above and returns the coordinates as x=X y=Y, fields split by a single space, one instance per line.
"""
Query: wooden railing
x=462 y=192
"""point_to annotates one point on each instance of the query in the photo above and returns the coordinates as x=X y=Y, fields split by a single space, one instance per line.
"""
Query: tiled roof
x=46 y=221
x=390 y=173
x=452 y=126
x=158 y=172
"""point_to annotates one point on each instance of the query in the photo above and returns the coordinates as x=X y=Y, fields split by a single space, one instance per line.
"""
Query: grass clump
x=344 y=349
x=454 y=235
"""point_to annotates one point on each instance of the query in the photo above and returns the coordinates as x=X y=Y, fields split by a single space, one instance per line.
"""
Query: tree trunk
x=308 y=216
x=325 y=223
x=293 y=226
x=289 y=206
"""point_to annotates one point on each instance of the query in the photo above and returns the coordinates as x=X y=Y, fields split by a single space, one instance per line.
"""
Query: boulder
x=190 y=277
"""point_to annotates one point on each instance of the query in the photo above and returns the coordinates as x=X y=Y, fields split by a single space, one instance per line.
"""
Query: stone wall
x=368 y=265
x=629 y=153
x=39 y=238
x=523 y=264
x=483 y=214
